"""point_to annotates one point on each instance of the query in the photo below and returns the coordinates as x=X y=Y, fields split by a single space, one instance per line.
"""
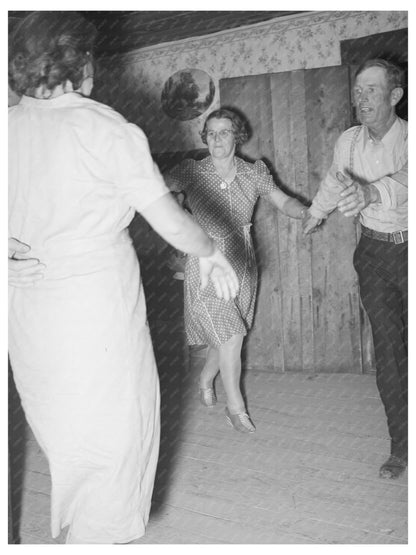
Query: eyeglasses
x=223 y=134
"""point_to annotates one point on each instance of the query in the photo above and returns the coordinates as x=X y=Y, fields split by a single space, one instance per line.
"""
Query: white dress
x=79 y=342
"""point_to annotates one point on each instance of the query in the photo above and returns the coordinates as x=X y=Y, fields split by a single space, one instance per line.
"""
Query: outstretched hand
x=23 y=271
x=355 y=196
x=310 y=223
x=217 y=269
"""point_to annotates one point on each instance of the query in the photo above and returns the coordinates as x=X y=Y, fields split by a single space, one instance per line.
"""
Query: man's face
x=373 y=98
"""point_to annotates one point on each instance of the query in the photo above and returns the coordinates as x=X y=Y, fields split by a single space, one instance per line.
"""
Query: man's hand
x=355 y=196
x=23 y=271
x=310 y=223
x=217 y=268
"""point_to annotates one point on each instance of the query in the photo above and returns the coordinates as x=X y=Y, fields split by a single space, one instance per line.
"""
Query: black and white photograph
x=207 y=277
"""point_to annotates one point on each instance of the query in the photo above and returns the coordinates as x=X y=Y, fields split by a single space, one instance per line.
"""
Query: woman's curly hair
x=47 y=49
x=240 y=125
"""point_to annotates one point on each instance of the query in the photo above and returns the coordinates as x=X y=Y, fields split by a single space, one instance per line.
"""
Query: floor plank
x=309 y=475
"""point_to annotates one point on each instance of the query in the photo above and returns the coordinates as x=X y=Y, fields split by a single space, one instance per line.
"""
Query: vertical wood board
x=335 y=285
x=288 y=94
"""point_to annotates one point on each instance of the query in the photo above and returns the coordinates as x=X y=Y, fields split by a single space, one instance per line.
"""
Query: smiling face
x=220 y=138
x=375 y=100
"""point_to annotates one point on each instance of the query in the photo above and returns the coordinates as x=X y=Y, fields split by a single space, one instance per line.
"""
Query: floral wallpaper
x=297 y=42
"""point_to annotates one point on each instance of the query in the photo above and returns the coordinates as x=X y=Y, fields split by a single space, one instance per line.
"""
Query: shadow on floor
x=17 y=452
x=176 y=381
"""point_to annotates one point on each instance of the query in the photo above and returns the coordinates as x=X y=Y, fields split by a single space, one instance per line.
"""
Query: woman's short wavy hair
x=240 y=125
x=47 y=49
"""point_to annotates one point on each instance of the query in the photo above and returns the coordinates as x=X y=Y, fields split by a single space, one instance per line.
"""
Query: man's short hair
x=394 y=73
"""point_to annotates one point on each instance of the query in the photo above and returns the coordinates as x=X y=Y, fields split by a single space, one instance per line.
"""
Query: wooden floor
x=308 y=475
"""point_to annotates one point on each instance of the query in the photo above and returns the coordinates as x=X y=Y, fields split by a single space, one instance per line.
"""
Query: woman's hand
x=23 y=271
x=217 y=268
x=310 y=223
x=182 y=232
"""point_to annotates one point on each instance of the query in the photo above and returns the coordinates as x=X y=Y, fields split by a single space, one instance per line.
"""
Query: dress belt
x=65 y=259
x=396 y=237
x=78 y=247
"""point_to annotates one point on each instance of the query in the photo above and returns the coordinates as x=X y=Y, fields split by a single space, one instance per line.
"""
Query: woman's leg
x=230 y=369
x=210 y=369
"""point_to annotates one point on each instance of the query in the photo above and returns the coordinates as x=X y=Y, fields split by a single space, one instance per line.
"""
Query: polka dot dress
x=224 y=211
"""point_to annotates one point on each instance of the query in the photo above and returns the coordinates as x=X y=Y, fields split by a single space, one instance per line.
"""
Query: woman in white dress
x=79 y=342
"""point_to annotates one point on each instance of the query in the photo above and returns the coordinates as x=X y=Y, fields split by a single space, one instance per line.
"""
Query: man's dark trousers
x=382 y=271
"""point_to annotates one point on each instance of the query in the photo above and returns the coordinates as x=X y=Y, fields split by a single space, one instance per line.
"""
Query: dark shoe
x=393 y=467
x=207 y=396
x=240 y=422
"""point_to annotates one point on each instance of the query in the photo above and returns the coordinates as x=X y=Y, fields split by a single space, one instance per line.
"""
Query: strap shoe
x=240 y=422
x=207 y=397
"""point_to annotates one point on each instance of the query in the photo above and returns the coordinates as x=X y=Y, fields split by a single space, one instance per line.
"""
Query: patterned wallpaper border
x=259 y=30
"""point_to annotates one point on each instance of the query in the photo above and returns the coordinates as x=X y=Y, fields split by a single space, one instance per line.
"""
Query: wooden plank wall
x=307 y=315
x=290 y=158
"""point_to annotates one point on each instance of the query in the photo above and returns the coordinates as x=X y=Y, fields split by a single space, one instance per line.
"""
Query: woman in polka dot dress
x=221 y=192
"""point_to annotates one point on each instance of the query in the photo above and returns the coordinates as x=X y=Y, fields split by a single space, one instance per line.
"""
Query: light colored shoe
x=207 y=397
x=240 y=422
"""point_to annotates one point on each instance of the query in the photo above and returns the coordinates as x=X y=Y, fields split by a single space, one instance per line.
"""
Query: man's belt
x=397 y=237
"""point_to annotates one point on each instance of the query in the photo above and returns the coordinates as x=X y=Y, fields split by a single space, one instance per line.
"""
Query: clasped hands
x=354 y=197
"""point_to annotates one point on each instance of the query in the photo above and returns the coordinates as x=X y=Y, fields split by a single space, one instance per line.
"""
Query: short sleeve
x=180 y=177
x=264 y=179
x=138 y=179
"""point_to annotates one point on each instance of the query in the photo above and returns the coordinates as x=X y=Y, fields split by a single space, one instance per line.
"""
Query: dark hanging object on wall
x=187 y=94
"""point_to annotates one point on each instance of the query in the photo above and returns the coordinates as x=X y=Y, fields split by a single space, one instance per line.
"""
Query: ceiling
x=122 y=31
